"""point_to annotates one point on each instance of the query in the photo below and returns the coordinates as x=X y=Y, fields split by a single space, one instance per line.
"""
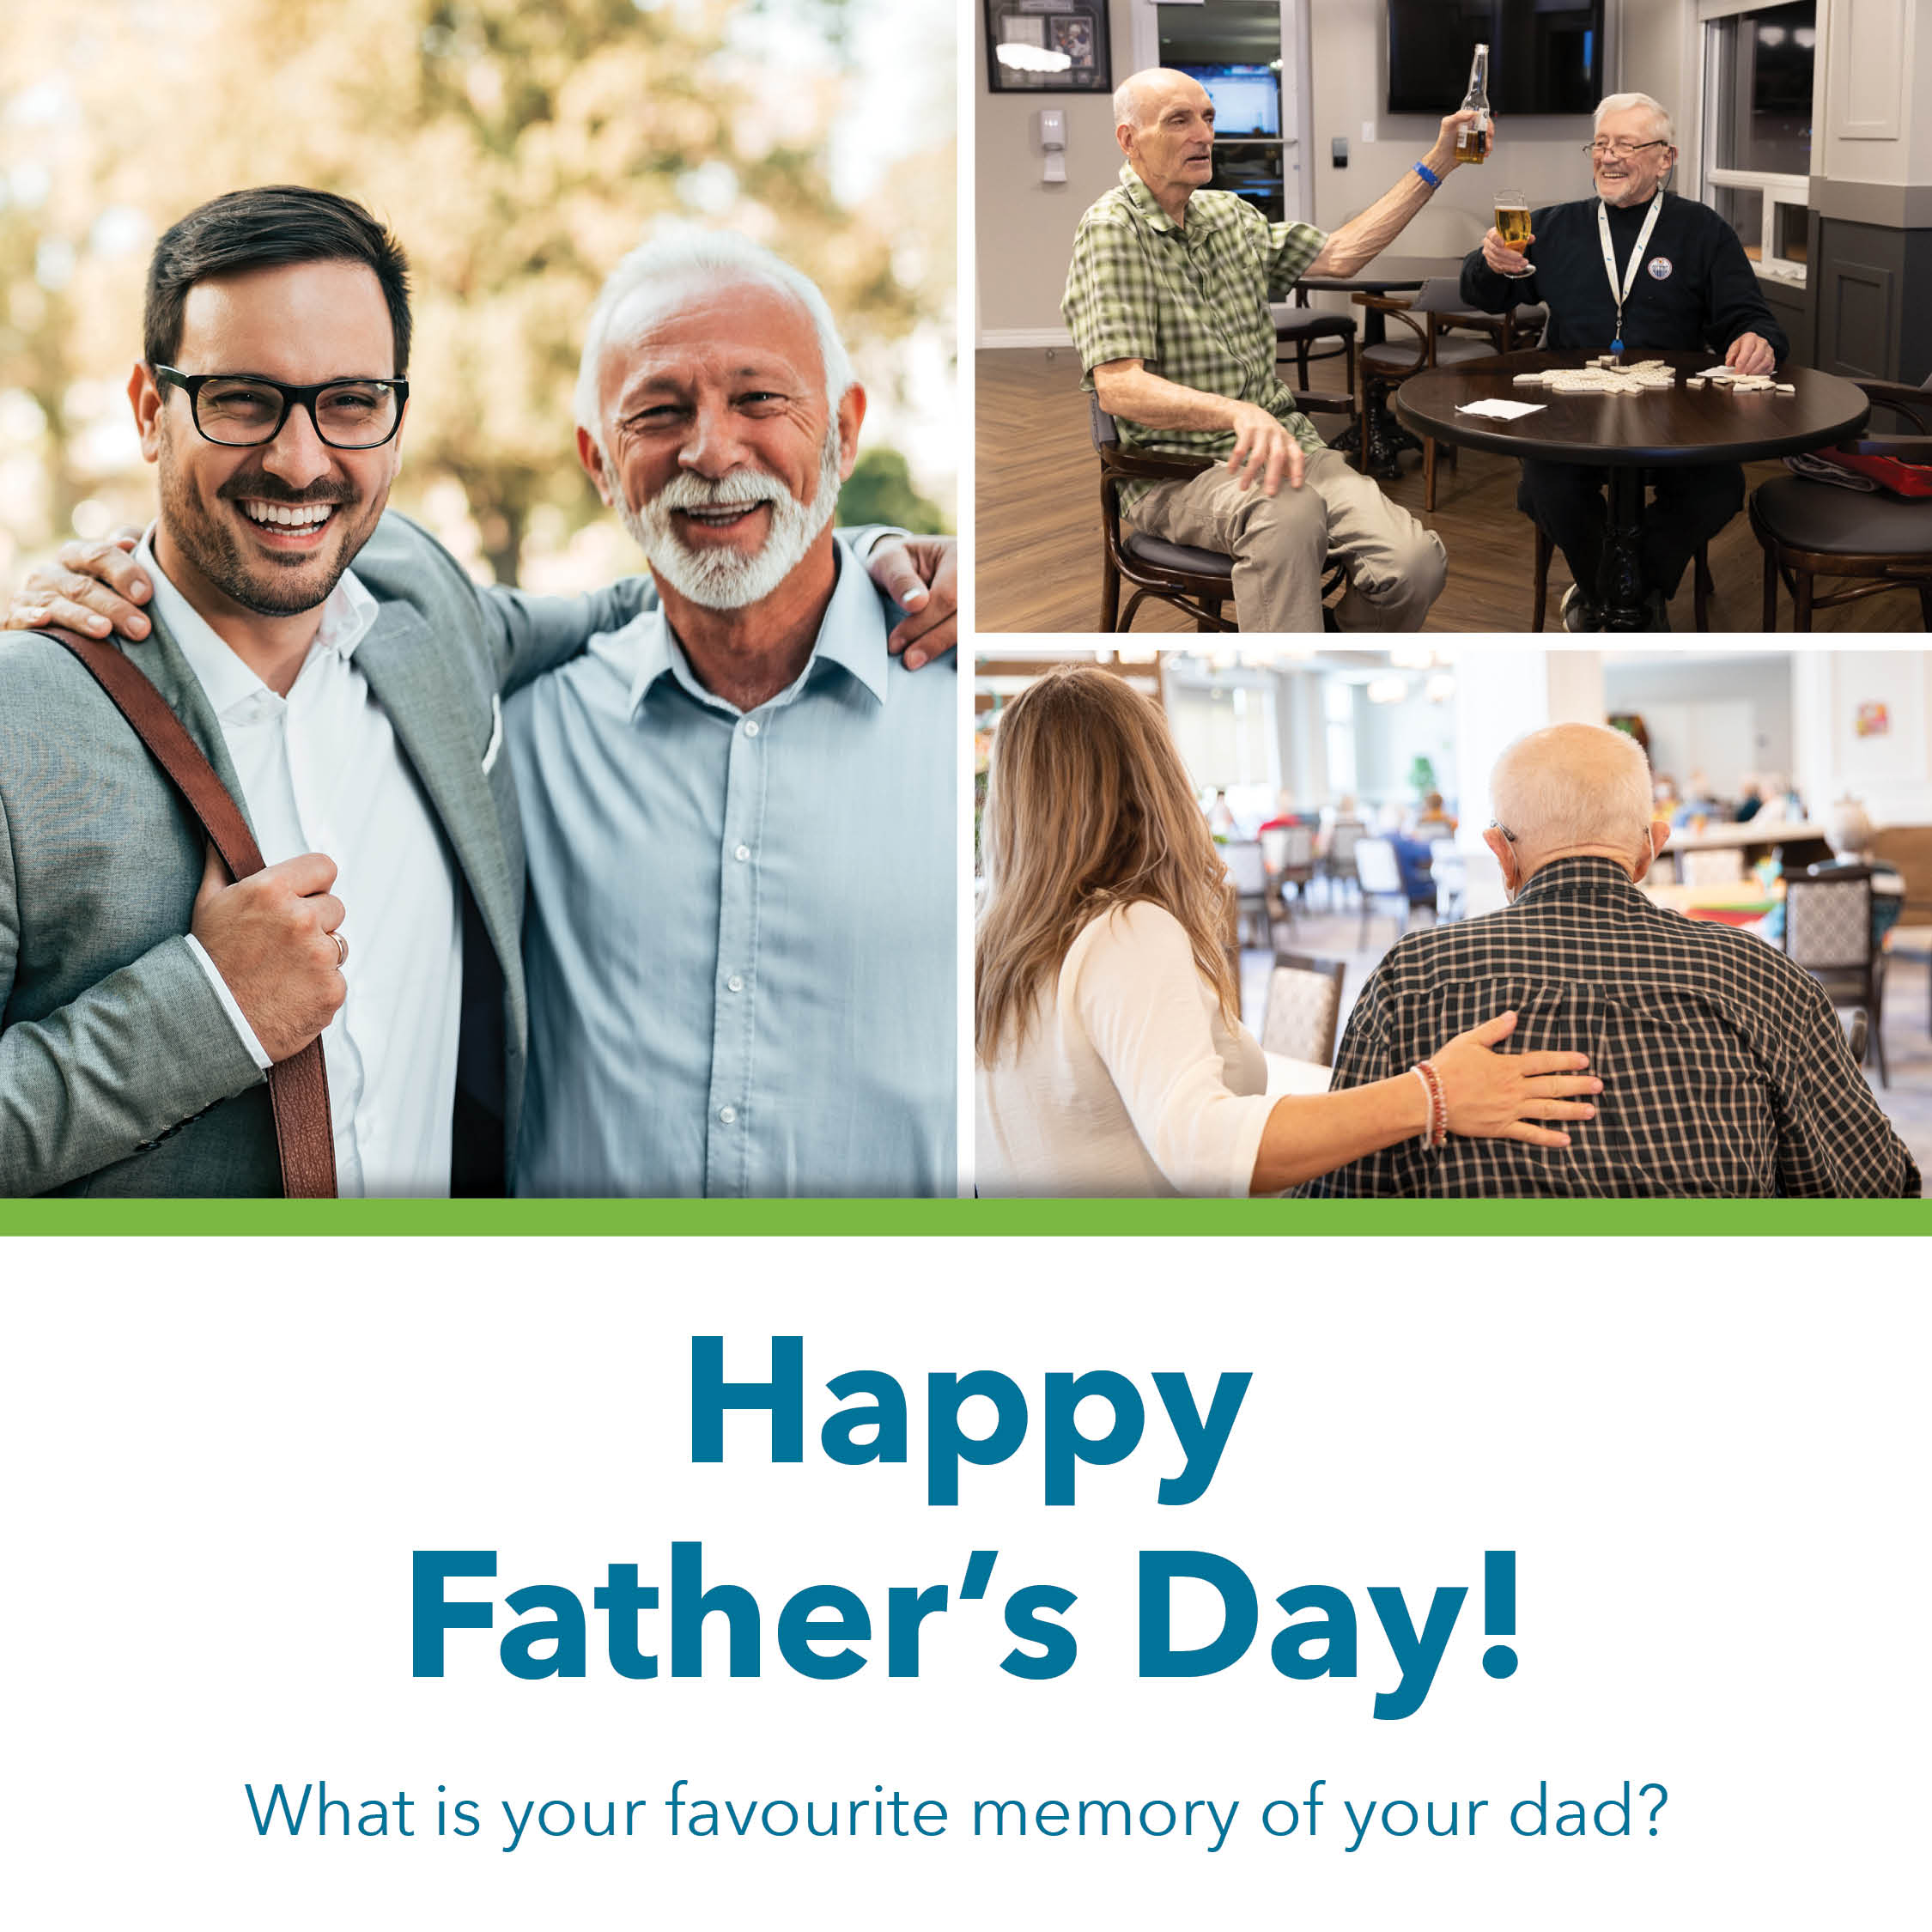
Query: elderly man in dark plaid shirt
x=1166 y=299
x=1725 y=1071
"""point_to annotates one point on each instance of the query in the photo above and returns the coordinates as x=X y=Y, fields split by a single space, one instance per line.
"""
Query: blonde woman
x=1111 y=1057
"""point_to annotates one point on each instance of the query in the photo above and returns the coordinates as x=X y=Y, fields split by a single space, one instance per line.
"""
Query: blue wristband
x=1433 y=180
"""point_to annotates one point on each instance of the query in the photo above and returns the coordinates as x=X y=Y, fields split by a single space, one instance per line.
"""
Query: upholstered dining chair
x=1378 y=871
x=1304 y=1007
x=1289 y=850
x=1249 y=879
x=1828 y=931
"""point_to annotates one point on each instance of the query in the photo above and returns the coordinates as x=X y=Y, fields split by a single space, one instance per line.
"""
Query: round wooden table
x=1663 y=429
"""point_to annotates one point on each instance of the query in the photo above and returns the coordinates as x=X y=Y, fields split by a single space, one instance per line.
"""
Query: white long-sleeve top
x=1126 y=1080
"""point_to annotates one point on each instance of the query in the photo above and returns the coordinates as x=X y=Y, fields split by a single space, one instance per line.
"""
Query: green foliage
x=880 y=490
x=516 y=149
x=1422 y=776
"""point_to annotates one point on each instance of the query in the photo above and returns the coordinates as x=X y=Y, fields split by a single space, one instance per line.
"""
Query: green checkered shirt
x=1189 y=301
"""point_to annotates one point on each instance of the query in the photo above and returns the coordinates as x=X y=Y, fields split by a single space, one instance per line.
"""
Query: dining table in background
x=1662 y=428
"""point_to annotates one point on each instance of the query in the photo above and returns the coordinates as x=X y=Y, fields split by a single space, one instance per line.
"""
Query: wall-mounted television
x=1247 y=99
x=1546 y=57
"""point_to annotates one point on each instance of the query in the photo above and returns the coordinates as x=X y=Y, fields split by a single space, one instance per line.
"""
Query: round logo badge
x=1659 y=268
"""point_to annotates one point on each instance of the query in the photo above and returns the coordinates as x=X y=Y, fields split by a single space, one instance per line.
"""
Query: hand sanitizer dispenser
x=1049 y=126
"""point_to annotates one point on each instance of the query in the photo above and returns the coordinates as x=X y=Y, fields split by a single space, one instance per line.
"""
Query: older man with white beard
x=1634 y=268
x=739 y=810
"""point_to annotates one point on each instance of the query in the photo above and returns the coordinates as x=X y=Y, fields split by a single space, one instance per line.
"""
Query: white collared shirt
x=320 y=771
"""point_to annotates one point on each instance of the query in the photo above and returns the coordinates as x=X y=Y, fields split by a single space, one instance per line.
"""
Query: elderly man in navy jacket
x=1637 y=265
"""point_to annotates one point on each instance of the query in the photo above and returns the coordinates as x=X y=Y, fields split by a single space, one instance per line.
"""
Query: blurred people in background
x=1431 y=820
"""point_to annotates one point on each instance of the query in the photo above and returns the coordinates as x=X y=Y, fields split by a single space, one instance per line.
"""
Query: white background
x=1708 y=1456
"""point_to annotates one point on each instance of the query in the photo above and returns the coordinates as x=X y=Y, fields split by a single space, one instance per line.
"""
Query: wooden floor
x=1038 y=542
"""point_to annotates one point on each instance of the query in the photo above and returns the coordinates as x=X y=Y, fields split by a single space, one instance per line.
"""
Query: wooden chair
x=1338 y=863
x=1196 y=582
x=1828 y=931
x=1288 y=853
x=1810 y=530
x=1296 y=326
x=1702 y=588
x=1304 y=1011
x=1432 y=315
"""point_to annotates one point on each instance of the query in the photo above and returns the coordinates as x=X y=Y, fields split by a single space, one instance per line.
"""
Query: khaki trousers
x=1281 y=544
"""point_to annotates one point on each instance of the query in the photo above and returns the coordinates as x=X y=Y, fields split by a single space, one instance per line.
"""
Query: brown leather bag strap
x=298 y=1086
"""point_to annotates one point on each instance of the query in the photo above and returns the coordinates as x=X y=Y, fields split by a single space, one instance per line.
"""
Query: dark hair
x=268 y=228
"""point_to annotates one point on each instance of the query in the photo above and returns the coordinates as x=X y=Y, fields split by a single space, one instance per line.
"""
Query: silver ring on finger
x=342 y=949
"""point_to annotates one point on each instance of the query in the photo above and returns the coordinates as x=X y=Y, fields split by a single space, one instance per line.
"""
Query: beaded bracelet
x=1429 y=174
x=1437 y=1131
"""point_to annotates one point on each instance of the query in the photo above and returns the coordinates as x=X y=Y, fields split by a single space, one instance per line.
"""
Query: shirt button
x=743 y=853
x=727 y=1114
x=751 y=727
x=735 y=983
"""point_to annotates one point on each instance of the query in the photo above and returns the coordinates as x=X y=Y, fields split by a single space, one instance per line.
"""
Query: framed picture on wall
x=1047 y=46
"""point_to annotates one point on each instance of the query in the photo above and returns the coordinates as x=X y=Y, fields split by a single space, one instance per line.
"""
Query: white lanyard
x=1620 y=295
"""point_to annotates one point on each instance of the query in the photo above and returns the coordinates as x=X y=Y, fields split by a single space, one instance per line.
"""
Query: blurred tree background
x=517 y=147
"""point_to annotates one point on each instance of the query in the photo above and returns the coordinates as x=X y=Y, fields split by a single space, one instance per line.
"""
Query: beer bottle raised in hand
x=1472 y=143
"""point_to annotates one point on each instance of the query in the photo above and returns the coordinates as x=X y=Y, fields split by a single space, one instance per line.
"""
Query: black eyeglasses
x=1620 y=150
x=241 y=411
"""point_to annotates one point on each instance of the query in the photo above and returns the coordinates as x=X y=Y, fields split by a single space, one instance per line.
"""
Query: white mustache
x=689 y=492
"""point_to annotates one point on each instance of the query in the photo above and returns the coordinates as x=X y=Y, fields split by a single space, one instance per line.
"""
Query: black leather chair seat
x=1812 y=516
x=1398 y=358
x=1157 y=554
x=1309 y=325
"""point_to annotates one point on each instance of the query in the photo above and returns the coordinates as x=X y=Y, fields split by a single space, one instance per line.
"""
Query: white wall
x=1499 y=695
x=1891 y=775
x=1680 y=704
x=1389 y=737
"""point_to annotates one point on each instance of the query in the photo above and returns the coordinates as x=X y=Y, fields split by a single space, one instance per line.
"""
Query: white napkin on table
x=1497 y=406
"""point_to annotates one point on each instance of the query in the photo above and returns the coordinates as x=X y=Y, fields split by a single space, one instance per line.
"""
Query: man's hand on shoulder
x=921 y=575
x=272 y=939
x=94 y=587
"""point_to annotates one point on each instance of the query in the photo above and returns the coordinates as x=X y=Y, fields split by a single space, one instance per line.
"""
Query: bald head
x=1569 y=790
x=1164 y=123
x=1139 y=99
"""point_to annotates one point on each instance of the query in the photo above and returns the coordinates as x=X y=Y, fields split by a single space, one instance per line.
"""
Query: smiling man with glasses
x=1635 y=266
x=354 y=716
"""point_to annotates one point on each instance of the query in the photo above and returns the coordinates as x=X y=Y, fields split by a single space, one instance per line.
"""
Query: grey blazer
x=119 y=1074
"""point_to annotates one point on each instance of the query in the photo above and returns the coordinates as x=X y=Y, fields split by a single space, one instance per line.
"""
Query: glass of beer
x=1512 y=219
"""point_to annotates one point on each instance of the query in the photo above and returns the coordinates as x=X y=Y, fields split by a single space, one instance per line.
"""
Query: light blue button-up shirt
x=740 y=927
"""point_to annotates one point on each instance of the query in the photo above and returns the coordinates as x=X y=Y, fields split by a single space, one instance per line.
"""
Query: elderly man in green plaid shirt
x=1167 y=301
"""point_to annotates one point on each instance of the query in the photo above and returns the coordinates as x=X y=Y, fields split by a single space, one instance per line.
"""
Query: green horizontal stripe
x=1139 y=1219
